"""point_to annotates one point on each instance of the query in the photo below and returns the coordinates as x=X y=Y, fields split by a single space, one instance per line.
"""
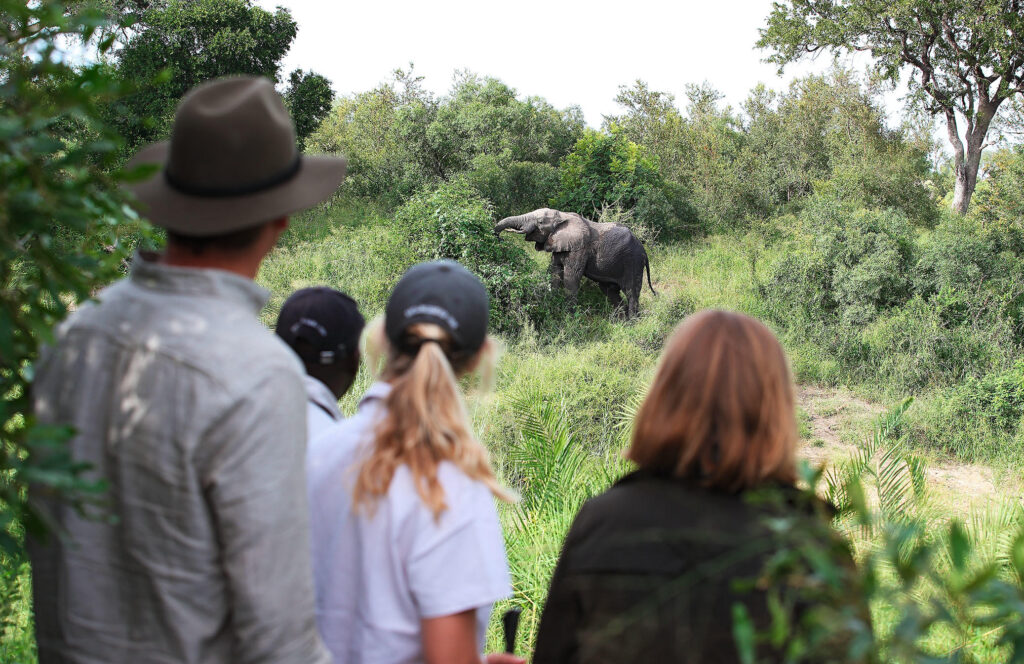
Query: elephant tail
x=647 y=263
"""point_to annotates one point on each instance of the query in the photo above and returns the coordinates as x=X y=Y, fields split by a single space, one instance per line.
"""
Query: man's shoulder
x=226 y=343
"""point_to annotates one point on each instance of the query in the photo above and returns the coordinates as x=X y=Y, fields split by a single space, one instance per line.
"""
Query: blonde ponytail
x=426 y=421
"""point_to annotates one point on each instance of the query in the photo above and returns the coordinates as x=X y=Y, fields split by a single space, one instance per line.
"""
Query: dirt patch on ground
x=834 y=422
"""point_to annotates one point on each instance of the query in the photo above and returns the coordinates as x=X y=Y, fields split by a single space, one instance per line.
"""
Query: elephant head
x=549 y=230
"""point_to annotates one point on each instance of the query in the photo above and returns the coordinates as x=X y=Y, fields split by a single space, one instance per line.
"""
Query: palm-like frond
x=546 y=456
x=626 y=416
x=883 y=468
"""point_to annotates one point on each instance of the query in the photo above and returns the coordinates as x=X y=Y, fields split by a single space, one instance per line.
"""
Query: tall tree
x=965 y=57
x=194 y=41
x=308 y=97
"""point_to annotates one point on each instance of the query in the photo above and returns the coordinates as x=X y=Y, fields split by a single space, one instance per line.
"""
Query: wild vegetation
x=805 y=207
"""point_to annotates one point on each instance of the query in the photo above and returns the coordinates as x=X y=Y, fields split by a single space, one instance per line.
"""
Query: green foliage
x=195 y=41
x=972 y=272
x=996 y=399
x=308 y=98
x=512 y=188
x=399 y=138
x=61 y=234
x=483 y=116
x=962 y=54
x=825 y=135
x=952 y=42
x=17 y=644
x=999 y=199
x=453 y=222
x=374 y=130
x=845 y=265
x=606 y=168
x=932 y=575
x=895 y=477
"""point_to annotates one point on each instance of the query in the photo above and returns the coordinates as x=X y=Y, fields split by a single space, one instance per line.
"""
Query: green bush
x=606 y=168
x=454 y=222
x=845 y=265
x=399 y=139
x=512 y=188
x=995 y=399
x=999 y=199
x=969 y=269
x=911 y=347
x=893 y=179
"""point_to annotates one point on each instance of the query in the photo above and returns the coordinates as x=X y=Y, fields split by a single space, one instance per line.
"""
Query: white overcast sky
x=569 y=52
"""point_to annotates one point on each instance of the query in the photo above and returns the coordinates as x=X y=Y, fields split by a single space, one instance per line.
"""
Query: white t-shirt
x=377 y=577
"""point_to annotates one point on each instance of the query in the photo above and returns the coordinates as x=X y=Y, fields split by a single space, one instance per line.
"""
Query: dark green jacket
x=648 y=573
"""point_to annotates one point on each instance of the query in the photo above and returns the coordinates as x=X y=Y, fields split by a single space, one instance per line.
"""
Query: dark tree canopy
x=195 y=40
x=966 y=57
x=308 y=97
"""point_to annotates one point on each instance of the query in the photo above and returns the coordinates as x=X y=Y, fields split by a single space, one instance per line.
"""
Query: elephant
x=606 y=253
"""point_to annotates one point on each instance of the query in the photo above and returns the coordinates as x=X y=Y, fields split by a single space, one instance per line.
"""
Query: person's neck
x=245 y=264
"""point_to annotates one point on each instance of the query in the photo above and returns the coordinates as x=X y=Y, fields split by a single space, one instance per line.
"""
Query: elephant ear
x=571 y=234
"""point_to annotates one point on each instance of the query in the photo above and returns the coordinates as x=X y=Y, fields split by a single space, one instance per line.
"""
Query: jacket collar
x=378 y=391
x=148 y=273
x=321 y=395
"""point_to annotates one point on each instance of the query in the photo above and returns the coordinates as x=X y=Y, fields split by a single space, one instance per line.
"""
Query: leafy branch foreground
x=939 y=590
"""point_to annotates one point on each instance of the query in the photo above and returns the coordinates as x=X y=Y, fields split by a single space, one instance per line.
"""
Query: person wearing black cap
x=408 y=555
x=323 y=326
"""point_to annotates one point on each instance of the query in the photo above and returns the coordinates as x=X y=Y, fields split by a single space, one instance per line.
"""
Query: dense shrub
x=969 y=270
x=512 y=188
x=996 y=398
x=372 y=130
x=844 y=265
x=399 y=138
x=911 y=347
x=911 y=311
x=606 y=168
x=453 y=222
x=999 y=199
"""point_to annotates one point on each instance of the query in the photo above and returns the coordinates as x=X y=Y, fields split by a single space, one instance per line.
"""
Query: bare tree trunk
x=967 y=161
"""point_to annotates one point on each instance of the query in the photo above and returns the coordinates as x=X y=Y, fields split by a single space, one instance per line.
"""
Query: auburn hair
x=721 y=409
x=425 y=419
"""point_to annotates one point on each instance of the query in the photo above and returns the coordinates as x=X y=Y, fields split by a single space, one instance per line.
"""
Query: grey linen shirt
x=196 y=416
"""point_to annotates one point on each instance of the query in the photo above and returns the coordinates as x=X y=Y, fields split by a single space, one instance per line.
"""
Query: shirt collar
x=376 y=392
x=322 y=396
x=147 y=272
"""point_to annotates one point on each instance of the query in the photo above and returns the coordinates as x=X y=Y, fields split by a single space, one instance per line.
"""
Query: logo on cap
x=435 y=311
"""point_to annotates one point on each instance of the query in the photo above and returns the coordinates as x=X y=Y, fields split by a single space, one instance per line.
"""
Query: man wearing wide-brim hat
x=192 y=411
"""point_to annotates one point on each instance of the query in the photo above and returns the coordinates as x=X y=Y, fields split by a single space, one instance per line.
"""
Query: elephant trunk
x=518 y=224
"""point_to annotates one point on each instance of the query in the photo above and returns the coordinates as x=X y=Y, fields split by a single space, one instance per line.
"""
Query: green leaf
x=743 y=634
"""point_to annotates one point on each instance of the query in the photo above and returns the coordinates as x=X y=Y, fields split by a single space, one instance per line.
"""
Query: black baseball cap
x=320 y=324
x=440 y=292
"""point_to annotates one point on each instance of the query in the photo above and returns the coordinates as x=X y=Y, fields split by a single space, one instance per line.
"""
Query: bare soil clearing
x=838 y=420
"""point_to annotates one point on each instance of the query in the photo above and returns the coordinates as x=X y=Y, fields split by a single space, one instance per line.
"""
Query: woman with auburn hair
x=648 y=569
x=408 y=555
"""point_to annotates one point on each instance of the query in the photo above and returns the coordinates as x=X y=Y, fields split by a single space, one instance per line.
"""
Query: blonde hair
x=721 y=409
x=426 y=420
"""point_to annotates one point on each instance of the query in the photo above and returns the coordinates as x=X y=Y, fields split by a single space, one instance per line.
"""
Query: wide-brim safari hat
x=231 y=163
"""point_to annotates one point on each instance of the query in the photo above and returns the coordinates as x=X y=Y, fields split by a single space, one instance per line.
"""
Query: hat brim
x=317 y=179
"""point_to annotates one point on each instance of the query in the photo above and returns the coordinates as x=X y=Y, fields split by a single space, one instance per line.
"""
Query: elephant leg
x=556 y=269
x=611 y=291
x=572 y=274
x=633 y=302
